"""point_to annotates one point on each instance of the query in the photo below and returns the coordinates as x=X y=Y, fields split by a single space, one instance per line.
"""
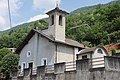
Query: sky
x=23 y=11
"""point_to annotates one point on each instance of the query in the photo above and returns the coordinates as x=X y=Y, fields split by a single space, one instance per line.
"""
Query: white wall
x=56 y=30
x=80 y=55
x=39 y=47
x=46 y=49
x=96 y=54
x=98 y=58
x=64 y=53
x=59 y=30
x=23 y=54
x=75 y=53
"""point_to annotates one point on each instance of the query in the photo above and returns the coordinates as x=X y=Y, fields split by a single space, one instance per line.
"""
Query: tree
x=9 y=63
x=3 y=52
x=113 y=51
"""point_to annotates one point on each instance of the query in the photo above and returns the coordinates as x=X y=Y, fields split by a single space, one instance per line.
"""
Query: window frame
x=60 y=20
x=42 y=61
x=84 y=56
x=100 y=52
x=28 y=55
x=52 y=20
x=23 y=67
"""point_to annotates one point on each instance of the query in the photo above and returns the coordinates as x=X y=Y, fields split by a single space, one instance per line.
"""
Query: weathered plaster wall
x=28 y=47
x=80 y=56
x=45 y=49
x=83 y=72
x=39 y=47
x=64 y=53
x=97 y=55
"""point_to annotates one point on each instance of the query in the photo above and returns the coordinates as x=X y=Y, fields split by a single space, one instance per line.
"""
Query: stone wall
x=83 y=71
x=112 y=63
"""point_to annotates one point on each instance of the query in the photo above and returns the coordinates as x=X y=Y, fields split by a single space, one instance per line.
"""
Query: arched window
x=52 y=19
x=60 y=20
x=100 y=51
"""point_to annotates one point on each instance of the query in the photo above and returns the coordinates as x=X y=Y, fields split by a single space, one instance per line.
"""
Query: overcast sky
x=30 y=10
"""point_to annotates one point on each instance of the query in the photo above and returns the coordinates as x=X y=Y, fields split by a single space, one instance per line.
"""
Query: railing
x=97 y=62
x=50 y=69
x=34 y=71
x=70 y=66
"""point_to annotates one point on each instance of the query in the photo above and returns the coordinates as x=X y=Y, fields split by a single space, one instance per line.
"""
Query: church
x=48 y=46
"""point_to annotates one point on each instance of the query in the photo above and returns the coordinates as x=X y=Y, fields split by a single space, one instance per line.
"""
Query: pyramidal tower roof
x=57 y=10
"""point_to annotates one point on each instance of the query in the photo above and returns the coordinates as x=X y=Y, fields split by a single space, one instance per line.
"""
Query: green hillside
x=92 y=25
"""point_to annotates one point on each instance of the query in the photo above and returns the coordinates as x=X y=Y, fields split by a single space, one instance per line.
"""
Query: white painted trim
x=30 y=62
x=42 y=63
x=22 y=65
x=28 y=52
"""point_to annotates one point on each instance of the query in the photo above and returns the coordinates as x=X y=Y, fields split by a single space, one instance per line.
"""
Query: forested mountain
x=92 y=25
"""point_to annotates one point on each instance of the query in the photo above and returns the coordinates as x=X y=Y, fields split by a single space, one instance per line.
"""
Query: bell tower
x=57 y=23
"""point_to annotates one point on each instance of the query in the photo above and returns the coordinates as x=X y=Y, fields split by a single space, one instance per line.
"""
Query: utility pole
x=10 y=21
x=9 y=11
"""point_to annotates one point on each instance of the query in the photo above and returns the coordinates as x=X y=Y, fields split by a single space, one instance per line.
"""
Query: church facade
x=48 y=46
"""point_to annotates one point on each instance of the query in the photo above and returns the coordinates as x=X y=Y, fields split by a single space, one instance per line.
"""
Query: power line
x=9 y=11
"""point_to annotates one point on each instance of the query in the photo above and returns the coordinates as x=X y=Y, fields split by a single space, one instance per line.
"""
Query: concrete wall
x=40 y=48
x=51 y=28
x=112 y=63
x=97 y=59
x=23 y=53
x=65 y=53
x=45 y=49
x=56 y=30
x=97 y=55
x=80 y=55
x=83 y=72
x=70 y=75
x=59 y=68
x=112 y=75
x=59 y=29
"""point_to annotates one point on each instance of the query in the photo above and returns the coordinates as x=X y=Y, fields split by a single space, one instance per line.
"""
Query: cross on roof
x=57 y=3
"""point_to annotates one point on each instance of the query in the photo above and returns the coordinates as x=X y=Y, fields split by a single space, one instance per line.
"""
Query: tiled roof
x=87 y=50
x=57 y=10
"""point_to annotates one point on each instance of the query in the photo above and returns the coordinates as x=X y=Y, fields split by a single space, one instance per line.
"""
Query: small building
x=113 y=46
x=113 y=49
x=95 y=55
x=49 y=46
x=12 y=49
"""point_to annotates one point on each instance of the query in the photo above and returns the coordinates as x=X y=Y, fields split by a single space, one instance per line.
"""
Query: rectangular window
x=30 y=65
x=23 y=65
x=84 y=57
x=44 y=61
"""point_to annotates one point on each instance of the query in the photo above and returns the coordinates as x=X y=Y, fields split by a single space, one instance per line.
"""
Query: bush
x=113 y=51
